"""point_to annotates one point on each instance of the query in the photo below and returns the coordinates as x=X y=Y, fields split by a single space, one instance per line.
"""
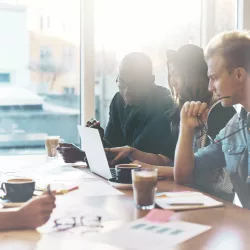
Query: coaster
x=114 y=182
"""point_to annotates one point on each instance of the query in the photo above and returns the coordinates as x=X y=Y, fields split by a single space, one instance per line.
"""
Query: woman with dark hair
x=188 y=81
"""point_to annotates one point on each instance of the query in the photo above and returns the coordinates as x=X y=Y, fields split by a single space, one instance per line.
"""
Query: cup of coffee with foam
x=19 y=189
x=123 y=172
x=144 y=187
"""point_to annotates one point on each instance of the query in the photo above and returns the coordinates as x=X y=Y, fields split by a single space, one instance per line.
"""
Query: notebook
x=186 y=200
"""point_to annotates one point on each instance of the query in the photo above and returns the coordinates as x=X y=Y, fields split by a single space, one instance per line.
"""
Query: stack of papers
x=185 y=200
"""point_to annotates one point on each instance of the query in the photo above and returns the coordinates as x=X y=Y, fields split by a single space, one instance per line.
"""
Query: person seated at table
x=188 y=81
x=228 y=59
x=137 y=112
x=31 y=215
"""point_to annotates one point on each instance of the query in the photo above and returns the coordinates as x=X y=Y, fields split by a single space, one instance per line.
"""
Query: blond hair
x=233 y=46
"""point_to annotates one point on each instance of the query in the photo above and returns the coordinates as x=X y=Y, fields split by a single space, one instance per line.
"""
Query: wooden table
x=230 y=225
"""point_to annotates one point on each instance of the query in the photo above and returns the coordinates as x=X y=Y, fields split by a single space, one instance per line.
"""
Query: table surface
x=230 y=224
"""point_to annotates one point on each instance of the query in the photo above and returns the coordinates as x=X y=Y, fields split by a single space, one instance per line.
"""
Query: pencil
x=49 y=190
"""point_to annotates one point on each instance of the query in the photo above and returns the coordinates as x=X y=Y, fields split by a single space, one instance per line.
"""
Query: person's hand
x=36 y=212
x=143 y=165
x=118 y=153
x=70 y=152
x=161 y=173
x=93 y=123
x=190 y=112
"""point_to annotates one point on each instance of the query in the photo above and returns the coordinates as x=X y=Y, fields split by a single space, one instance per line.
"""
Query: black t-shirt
x=218 y=118
x=146 y=127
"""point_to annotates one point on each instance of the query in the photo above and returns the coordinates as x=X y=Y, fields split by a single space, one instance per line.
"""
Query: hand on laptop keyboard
x=70 y=152
x=114 y=158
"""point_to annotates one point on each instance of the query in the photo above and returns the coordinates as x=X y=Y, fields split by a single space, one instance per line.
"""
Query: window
x=45 y=61
x=45 y=53
x=48 y=22
x=36 y=104
x=41 y=23
x=150 y=26
x=4 y=77
x=69 y=90
x=225 y=15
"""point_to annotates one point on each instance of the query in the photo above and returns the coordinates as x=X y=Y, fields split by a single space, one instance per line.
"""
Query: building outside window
x=4 y=78
x=33 y=104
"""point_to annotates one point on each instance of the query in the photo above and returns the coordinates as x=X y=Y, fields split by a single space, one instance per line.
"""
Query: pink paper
x=159 y=215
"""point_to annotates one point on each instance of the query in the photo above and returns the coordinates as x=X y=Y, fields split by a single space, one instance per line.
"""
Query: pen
x=49 y=190
x=184 y=204
x=67 y=191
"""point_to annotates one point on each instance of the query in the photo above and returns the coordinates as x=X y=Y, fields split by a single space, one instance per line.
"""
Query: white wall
x=14 y=43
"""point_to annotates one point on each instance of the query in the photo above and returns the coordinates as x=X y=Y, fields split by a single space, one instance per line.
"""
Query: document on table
x=61 y=173
x=68 y=209
x=98 y=188
x=185 y=201
x=48 y=172
x=143 y=234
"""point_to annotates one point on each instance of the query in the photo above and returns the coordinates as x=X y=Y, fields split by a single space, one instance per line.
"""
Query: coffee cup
x=51 y=144
x=144 y=187
x=123 y=172
x=18 y=190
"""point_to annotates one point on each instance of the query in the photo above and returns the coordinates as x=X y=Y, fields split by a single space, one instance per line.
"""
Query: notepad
x=185 y=201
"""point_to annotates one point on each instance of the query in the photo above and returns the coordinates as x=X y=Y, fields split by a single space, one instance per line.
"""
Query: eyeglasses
x=90 y=222
x=204 y=128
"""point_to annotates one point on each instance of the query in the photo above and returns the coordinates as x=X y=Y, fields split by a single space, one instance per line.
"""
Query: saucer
x=114 y=182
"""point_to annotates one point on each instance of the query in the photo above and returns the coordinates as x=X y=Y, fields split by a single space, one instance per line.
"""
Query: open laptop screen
x=92 y=145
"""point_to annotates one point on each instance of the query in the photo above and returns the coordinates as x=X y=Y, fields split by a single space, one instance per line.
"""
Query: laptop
x=97 y=159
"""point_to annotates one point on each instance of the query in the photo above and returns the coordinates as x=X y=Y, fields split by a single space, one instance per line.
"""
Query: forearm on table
x=9 y=219
x=164 y=171
x=149 y=158
x=184 y=157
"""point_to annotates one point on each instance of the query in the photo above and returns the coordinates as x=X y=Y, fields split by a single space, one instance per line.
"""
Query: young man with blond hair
x=228 y=59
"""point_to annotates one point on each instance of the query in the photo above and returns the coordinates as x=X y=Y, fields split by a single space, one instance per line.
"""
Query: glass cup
x=144 y=187
x=51 y=144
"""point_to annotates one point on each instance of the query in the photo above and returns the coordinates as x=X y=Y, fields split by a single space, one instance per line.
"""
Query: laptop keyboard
x=113 y=173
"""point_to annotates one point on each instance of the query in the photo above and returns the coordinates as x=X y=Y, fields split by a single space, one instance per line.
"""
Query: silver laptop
x=92 y=145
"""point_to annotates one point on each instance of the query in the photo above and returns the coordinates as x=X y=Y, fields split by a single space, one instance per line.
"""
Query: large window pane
x=151 y=26
x=39 y=73
x=225 y=15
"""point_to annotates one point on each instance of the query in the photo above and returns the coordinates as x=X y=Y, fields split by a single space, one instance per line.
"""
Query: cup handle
x=3 y=187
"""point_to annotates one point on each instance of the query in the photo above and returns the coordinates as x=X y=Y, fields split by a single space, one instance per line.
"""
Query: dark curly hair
x=190 y=64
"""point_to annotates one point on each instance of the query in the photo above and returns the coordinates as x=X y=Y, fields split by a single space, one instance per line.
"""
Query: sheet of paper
x=143 y=234
x=51 y=171
x=178 y=194
x=58 y=173
x=164 y=200
x=98 y=188
x=205 y=200
x=77 y=209
x=62 y=242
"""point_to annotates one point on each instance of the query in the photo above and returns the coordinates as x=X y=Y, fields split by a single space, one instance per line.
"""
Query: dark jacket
x=146 y=127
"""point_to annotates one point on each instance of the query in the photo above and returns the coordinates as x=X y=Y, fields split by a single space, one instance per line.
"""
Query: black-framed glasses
x=203 y=127
x=90 y=222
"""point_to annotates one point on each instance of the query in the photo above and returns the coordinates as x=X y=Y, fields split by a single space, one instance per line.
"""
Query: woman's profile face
x=175 y=79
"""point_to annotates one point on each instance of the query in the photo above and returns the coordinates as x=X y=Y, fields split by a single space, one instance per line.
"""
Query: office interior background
x=59 y=58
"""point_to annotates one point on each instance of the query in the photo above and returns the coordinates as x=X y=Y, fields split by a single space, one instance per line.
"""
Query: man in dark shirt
x=137 y=112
